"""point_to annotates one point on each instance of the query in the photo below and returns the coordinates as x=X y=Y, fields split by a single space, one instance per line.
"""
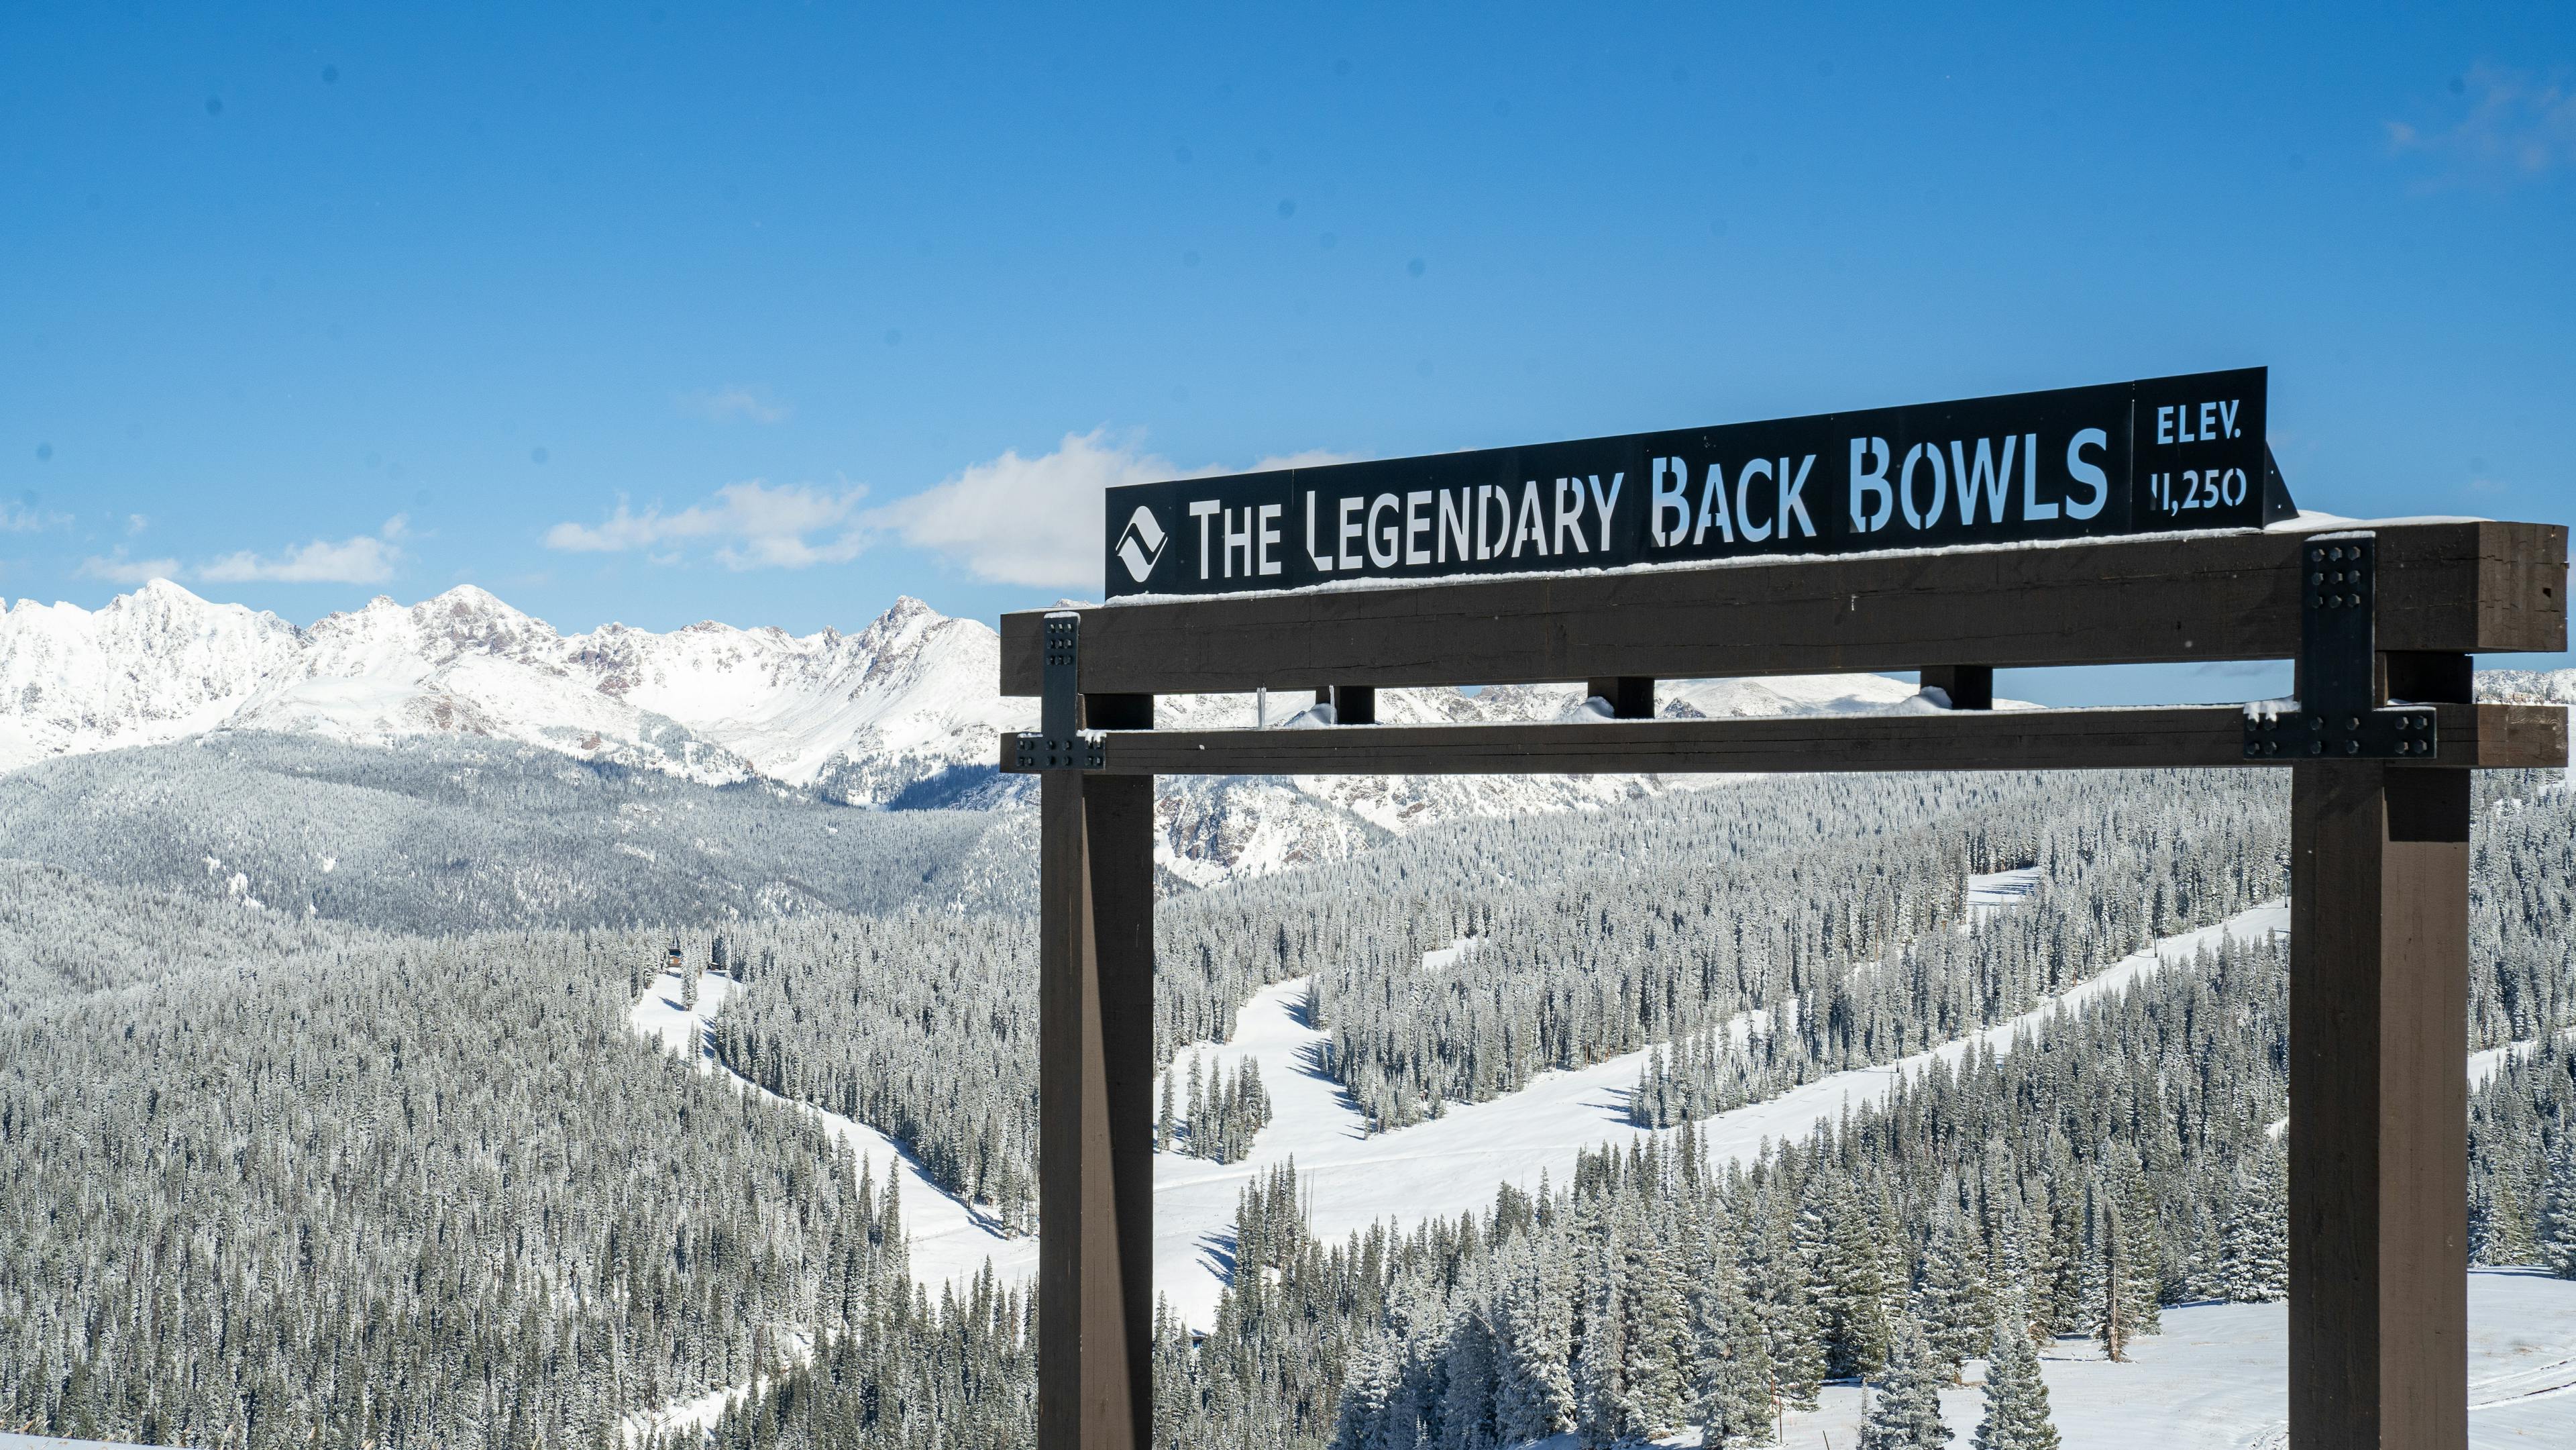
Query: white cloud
x=366 y=559
x=115 y=568
x=746 y=401
x=754 y=525
x=24 y=519
x=1036 y=521
x=135 y=524
x=2516 y=124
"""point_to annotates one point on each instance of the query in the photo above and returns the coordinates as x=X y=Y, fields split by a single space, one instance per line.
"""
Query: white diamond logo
x=1140 y=544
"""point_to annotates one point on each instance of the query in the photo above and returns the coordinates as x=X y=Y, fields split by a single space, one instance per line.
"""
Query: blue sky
x=662 y=312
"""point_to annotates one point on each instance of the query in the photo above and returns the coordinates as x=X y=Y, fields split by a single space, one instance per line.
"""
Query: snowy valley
x=1514 y=1113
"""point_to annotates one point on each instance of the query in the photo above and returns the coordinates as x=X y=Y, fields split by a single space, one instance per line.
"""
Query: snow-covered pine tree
x=1950 y=1302
x=1468 y=1373
x=2016 y=1397
x=2557 y=1237
x=1736 y=1407
x=1534 y=1392
x=1659 y=1346
x=2123 y=1288
x=1852 y=1287
x=1364 y=1395
x=2254 y=1244
x=1163 y=1118
x=2142 y=1228
x=1777 y=1278
x=1601 y=1344
x=1905 y=1414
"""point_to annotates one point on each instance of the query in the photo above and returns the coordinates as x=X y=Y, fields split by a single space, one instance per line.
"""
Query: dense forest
x=440 y=835
x=387 y=1162
x=1836 y=903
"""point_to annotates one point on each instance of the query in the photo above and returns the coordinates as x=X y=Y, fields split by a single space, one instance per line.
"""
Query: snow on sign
x=2160 y=455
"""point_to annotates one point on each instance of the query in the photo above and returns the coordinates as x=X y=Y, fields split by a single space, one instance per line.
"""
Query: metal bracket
x=1061 y=743
x=2336 y=716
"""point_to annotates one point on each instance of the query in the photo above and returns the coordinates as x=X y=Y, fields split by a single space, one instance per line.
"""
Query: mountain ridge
x=900 y=713
x=861 y=715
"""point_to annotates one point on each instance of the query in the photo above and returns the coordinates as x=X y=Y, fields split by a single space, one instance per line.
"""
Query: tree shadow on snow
x=1217 y=1250
x=1314 y=1059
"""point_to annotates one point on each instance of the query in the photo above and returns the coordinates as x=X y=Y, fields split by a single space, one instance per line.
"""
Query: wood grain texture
x=2466 y=587
x=2378 y=1137
x=2485 y=735
x=1095 y=1112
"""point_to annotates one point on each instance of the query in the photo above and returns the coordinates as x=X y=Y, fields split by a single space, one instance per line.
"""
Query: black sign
x=2166 y=454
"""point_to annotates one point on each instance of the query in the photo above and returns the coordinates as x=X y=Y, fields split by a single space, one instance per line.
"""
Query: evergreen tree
x=2016 y=1396
x=2254 y=1247
x=1736 y=1403
x=1535 y=1398
x=2557 y=1238
x=1662 y=1359
x=1905 y=1414
x=1601 y=1346
x=2123 y=1287
x=1468 y=1375
x=1949 y=1301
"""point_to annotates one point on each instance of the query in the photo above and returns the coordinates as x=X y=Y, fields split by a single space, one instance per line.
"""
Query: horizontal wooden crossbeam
x=2469 y=587
x=2486 y=736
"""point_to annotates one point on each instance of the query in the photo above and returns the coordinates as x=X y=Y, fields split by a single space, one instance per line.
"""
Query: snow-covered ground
x=2217 y=1378
x=951 y=1239
x=1994 y=890
x=1452 y=1163
x=2483 y=1065
x=700 y=1412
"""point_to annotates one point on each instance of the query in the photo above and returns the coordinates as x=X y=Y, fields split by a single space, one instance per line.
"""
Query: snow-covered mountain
x=861 y=714
x=902 y=712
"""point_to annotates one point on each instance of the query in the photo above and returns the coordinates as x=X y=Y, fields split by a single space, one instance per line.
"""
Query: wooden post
x=1631 y=697
x=2379 y=881
x=1095 y=1103
x=1970 y=687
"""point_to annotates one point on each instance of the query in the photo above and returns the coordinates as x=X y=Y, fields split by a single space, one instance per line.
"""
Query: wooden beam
x=2379 y=985
x=2486 y=736
x=1095 y=1111
x=2467 y=587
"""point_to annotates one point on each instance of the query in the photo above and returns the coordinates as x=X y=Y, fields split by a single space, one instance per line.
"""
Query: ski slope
x=1353 y=1178
x=951 y=1239
x=2483 y=1065
x=1452 y=1163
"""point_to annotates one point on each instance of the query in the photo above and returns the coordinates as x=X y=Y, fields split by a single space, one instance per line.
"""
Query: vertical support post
x=1095 y=1101
x=1631 y=697
x=1970 y=687
x=2379 y=986
x=1352 y=704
